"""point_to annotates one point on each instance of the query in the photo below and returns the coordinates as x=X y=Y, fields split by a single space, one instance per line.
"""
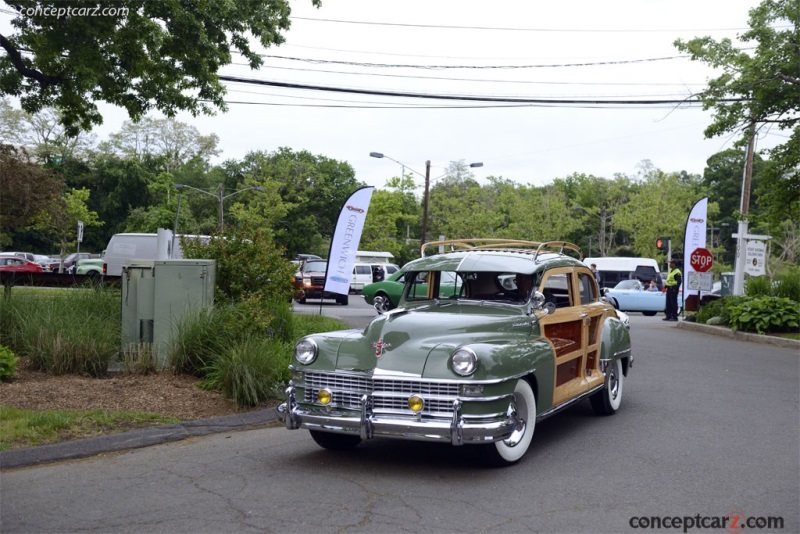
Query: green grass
x=29 y=428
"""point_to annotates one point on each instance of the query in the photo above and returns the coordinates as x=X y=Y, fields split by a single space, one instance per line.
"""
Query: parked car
x=89 y=267
x=633 y=296
x=42 y=260
x=19 y=265
x=70 y=260
x=485 y=342
x=30 y=256
x=312 y=274
x=385 y=296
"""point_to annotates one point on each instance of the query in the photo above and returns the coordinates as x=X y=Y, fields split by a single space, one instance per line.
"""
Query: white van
x=614 y=269
x=122 y=248
x=367 y=273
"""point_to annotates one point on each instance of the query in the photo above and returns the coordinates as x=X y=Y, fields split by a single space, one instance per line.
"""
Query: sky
x=531 y=50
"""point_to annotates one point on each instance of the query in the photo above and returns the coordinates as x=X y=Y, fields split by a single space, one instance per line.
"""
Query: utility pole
x=744 y=208
x=220 y=197
x=425 y=202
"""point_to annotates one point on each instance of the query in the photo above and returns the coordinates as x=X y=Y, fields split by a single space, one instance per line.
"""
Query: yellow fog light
x=325 y=396
x=416 y=403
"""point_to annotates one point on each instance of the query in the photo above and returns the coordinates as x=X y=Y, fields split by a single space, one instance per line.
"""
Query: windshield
x=485 y=286
x=315 y=266
x=628 y=284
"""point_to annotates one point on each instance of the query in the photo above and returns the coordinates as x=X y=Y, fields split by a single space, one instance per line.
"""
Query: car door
x=573 y=330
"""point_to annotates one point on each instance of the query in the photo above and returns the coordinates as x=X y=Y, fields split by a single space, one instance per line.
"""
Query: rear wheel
x=511 y=449
x=335 y=442
x=649 y=313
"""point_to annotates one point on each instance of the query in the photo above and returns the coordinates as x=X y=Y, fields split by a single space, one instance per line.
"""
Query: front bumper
x=318 y=293
x=457 y=430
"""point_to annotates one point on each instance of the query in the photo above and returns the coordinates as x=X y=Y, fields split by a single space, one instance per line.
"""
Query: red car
x=17 y=264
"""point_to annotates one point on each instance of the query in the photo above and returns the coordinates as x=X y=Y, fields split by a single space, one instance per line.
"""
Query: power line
x=472 y=98
x=495 y=28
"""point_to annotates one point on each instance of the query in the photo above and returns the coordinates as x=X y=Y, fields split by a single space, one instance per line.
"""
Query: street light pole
x=426 y=194
x=220 y=196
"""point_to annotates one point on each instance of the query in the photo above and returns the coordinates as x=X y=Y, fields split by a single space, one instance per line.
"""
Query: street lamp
x=425 y=196
x=220 y=196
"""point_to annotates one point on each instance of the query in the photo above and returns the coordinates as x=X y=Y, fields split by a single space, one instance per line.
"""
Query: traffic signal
x=662 y=243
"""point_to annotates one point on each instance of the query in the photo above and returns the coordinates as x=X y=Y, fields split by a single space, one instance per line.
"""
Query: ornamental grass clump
x=60 y=332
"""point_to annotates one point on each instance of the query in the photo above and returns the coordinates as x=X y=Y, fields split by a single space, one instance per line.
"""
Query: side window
x=450 y=285
x=556 y=289
x=586 y=288
x=418 y=287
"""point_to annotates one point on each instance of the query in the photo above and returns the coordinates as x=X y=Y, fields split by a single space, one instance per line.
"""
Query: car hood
x=418 y=342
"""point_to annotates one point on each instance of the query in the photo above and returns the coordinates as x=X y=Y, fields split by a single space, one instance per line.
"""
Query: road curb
x=724 y=331
x=133 y=439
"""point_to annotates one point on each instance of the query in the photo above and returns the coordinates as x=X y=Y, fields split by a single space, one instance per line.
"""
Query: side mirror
x=539 y=303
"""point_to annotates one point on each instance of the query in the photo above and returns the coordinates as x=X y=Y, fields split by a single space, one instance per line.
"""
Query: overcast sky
x=530 y=50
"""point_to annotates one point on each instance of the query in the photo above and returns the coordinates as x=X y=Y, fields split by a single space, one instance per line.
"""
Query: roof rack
x=518 y=245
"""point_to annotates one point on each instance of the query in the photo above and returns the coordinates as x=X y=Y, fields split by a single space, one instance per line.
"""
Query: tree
x=140 y=55
x=760 y=88
x=42 y=134
x=26 y=189
x=173 y=141
x=61 y=220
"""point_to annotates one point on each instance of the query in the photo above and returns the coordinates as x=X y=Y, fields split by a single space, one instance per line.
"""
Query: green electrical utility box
x=156 y=295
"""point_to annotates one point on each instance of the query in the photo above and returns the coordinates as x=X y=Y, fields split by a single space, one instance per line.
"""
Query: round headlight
x=306 y=351
x=465 y=361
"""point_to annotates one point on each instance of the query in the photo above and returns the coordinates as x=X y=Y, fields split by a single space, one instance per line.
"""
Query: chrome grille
x=387 y=395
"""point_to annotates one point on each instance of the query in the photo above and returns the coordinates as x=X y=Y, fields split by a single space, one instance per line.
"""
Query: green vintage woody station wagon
x=489 y=337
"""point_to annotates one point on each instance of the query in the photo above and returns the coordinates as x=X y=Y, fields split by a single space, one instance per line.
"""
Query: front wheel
x=343 y=300
x=335 y=442
x=514 y=447
x=648 y=313
x=607 y=401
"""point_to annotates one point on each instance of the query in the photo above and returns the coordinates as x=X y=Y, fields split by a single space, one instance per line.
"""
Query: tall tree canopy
x=760 y=87
x=138 y=54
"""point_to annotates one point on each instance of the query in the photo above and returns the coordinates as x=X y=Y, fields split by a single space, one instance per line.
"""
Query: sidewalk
x=724 y=331
x=157 y=435
x=134 y=439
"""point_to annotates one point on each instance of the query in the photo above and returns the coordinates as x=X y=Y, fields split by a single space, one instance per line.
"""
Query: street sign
x=755 y=252
x=701 y=260
x=80 y=231
x=700 y=281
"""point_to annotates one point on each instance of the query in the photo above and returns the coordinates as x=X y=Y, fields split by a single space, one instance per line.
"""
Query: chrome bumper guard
x=457 y=430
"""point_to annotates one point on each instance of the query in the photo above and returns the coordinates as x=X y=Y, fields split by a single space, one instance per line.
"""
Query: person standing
x=674 y=279
x=593 y=267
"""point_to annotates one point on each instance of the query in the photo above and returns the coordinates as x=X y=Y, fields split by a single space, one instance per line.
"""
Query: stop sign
x=701 y=260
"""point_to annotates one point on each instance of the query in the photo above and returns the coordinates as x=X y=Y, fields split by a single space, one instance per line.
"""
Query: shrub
x=765 y=314
x=250 y=371
x=8 y=363
x=758 y=286
x=787 y=285
x=710 y=309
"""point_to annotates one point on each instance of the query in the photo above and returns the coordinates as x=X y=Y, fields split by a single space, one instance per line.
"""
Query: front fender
x=616 y=343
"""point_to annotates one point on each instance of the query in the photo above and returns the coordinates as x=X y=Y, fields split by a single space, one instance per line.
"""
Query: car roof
x=486 y=255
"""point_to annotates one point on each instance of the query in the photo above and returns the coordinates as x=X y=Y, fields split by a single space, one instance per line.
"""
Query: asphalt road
x=708 y=428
